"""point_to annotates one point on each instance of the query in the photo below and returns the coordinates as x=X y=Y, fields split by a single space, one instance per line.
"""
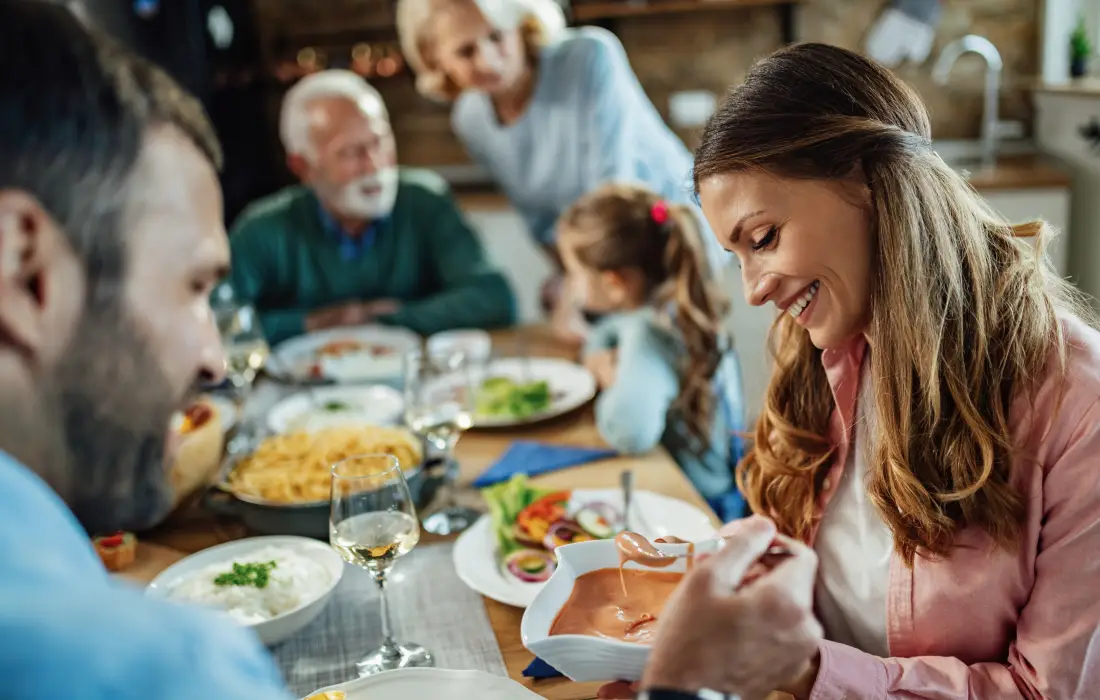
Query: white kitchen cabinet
x=1052 y=205
x=1059 y=118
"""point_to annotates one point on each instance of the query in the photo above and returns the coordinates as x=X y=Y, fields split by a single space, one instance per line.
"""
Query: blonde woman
x=933 y=424
x=550 y=112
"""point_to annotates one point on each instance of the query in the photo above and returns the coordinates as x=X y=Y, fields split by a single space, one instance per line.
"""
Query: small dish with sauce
x=582 y=624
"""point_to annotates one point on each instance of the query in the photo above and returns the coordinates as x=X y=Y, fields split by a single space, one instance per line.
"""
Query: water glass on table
x=372 y=523
x=440 y=396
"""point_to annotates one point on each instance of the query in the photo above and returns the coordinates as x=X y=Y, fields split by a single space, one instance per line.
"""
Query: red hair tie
x=659 y=211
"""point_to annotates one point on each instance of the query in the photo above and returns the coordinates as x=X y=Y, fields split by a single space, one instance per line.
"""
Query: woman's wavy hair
x=614 y=227
x=964 y=312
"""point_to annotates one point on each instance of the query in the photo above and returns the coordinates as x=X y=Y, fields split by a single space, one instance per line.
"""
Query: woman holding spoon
x=932 y=427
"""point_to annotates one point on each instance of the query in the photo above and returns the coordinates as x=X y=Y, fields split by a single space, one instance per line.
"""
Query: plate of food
x=344 y=355
x=336 y=406
x=518 y=391
x=274 y=586
x=509 y=553
x=427 y=683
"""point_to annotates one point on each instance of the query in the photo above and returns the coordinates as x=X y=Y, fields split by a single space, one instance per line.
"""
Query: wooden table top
x=191 y=528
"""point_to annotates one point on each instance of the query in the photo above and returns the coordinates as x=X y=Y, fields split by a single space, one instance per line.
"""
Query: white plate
x=571 y=386
x=227 y=410
x=293 y=358
x=279 y=627
x=374 y=405
x=476 y=344
x=433 y=684
x=651 y=514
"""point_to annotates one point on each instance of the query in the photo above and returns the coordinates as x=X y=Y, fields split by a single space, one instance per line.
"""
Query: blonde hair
x=539 y=22
x=964 y=313
x=615 y=228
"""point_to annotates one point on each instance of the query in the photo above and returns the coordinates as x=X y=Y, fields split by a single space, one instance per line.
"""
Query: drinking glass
x=372 y=522
x=246 y=349
x=439 y=405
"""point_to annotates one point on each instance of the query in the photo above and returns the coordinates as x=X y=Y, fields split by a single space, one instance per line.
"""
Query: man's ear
x=34 y=260
x=298 y=165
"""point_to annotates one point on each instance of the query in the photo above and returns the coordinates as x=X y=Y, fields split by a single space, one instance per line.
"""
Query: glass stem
x=388 y=643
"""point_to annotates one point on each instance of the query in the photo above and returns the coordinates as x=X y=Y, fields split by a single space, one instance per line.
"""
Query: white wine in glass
x=439 y=406
x=246 y=349
x=372 y=524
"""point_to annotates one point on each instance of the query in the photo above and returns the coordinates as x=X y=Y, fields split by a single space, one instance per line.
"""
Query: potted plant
x=1080 y=49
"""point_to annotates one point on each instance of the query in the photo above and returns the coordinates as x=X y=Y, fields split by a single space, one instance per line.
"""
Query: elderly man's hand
x=354 y=313
x=733 y=629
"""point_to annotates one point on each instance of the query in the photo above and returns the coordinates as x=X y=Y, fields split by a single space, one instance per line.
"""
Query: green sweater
x=424 y=255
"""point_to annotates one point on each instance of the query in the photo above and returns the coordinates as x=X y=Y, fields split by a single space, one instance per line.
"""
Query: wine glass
x=372 y=522
x=439 y=406
x=246 y=349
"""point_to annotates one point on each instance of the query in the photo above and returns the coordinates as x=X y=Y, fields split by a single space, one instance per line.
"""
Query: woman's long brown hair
x=963 y=310
x=613 y=228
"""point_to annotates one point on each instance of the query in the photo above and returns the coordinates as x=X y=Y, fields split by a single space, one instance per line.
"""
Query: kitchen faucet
x=972 y=43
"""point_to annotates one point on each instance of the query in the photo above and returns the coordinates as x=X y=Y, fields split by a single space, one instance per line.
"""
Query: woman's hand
x=722 y=611
x=604 y=365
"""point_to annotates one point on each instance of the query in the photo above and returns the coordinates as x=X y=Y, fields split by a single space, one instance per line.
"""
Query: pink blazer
x=985 y=623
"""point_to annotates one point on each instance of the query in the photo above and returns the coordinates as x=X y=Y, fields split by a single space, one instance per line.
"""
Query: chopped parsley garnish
x=250 y=574
x=333 y=406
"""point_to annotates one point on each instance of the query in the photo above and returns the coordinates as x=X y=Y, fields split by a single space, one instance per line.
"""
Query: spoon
x=633 y=547
x=626 y=481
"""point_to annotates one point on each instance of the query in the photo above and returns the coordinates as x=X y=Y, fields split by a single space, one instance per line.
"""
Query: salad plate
x=520 y=391
x=507 y=555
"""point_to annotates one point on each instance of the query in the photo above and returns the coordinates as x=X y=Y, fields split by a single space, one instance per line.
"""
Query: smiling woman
x=931 y=426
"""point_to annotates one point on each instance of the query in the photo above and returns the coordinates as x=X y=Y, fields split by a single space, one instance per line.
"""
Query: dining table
x=192 y=528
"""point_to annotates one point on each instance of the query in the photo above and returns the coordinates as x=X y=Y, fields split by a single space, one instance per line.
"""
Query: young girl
x=658 y=352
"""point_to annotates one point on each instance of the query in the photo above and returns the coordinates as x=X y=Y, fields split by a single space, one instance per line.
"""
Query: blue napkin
x=532 y=458
x=540 y=669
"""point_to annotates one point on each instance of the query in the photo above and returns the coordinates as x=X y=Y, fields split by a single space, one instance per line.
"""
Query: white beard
x=354 y=200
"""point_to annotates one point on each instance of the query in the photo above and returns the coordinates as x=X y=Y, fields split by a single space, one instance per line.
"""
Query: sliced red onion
x=530 y=565
x=524 y=538
x=564 y=532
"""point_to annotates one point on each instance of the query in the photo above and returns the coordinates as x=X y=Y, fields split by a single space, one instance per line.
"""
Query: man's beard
x=351 y=199
x=101 y=427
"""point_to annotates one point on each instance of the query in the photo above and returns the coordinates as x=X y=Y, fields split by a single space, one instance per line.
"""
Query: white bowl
x=278 y=628
x=377 y=405
x=426 y=683
x=476 y=344
x=582 y=658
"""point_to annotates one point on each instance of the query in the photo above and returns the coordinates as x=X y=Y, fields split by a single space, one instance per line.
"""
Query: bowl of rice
x=272 y=585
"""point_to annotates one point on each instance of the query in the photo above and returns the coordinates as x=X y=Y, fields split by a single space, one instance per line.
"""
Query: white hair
x=293 y=120
x=414 y=15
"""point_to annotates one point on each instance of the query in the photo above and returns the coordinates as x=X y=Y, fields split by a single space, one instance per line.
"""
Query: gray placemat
x=429 y=605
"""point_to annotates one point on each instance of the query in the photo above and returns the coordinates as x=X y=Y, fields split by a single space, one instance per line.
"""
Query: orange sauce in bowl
x=598 y=606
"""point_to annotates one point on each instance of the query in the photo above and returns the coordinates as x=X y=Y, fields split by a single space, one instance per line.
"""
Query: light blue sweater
x=589 y=122
x=68 y=630
x=636 y=412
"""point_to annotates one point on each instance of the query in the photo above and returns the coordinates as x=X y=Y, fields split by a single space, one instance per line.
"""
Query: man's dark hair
x=74 y=110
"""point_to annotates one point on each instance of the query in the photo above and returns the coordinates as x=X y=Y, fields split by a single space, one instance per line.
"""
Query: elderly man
x=361 y=241
x=110 y=243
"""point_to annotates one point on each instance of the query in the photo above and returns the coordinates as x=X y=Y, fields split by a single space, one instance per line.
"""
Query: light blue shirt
x=636 y=412
x=589 y=122
x=67 y=630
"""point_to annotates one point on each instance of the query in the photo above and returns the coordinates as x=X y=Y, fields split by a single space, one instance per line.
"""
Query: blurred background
x=240 y=56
